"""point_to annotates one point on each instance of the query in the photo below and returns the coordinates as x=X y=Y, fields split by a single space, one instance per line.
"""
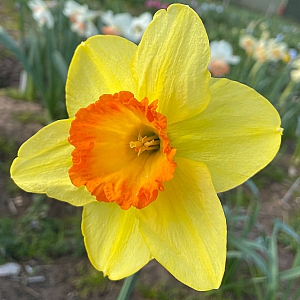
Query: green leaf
x=249 y=250
x=12 y=46
x=234 y=254
x=253 y=187
x=60 y=65
x=286 y=275
x=287 y=229
x=290 y=274
x=273 y=272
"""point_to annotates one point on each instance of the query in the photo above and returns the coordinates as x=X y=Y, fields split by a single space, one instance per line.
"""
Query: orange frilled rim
x=122 y=152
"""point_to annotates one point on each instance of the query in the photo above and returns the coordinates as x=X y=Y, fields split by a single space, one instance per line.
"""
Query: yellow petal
x=43 y=162
x=185 y=228
x=236 y=136
x=171 y=61
x=100 y=65
x=113 y=241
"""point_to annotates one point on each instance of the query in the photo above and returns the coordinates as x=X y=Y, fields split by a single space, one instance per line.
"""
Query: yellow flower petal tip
x=150 y=141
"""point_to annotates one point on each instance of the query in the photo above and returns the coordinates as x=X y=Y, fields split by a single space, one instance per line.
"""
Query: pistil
x=145 y=143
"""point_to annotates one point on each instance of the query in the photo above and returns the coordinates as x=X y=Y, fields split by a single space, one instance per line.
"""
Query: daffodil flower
x=41 y=13
x=221 y=56
x=261 y=53
x=277 y=51
x=248 y=43
x=123 y=24
x=138 y=27
x=116 y=24
x=81 y=18
x=150 y=140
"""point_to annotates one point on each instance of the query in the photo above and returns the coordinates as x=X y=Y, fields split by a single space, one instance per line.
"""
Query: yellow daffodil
x=150 y=140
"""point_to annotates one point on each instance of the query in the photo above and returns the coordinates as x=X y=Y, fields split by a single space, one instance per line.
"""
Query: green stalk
x=127 y=287
x=279 y=84
x=286 y=93
x=253 y=72
x=245 y=70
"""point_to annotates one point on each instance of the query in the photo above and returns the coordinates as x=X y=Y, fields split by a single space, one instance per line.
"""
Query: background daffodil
x=150 y=140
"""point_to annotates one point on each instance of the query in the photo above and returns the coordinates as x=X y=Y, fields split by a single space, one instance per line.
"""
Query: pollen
x=122 y=152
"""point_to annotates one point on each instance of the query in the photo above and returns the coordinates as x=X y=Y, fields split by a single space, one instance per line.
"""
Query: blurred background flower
x=81 y=18
x=221 y=57
x=124 y=24
x=41 y=12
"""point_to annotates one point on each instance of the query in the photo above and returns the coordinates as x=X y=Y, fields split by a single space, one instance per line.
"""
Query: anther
x=145 y=143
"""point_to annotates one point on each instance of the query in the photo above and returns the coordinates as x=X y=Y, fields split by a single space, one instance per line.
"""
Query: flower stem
x=127 y=287
x=286 y=93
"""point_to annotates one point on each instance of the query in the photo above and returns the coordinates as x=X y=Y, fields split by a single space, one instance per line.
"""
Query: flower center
x=122 y=152
x=145 y=143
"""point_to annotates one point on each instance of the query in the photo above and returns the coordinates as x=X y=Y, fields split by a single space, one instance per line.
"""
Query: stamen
x=145 y=143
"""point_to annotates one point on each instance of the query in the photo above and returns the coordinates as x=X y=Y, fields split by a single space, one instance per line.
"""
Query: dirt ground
x=60 y=283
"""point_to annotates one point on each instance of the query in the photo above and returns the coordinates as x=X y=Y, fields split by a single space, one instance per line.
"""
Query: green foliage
x=287 y=240
x=45 y=54
x=35 y=235
x=272 y=173
x=26 y=117
x=90 y=280
x=157 y=292
x=252 y=261
x=7 y=238
x=7 y=154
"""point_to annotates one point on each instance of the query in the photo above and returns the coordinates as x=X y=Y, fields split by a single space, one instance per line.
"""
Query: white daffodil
x=138 y=27
x=125 y=25
x=41 y=13
x=116 y=24
x=81 y=18
x=247 y=42
x=221 y=57
x=277 y=50
x=260 y=52
x=84 y=27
